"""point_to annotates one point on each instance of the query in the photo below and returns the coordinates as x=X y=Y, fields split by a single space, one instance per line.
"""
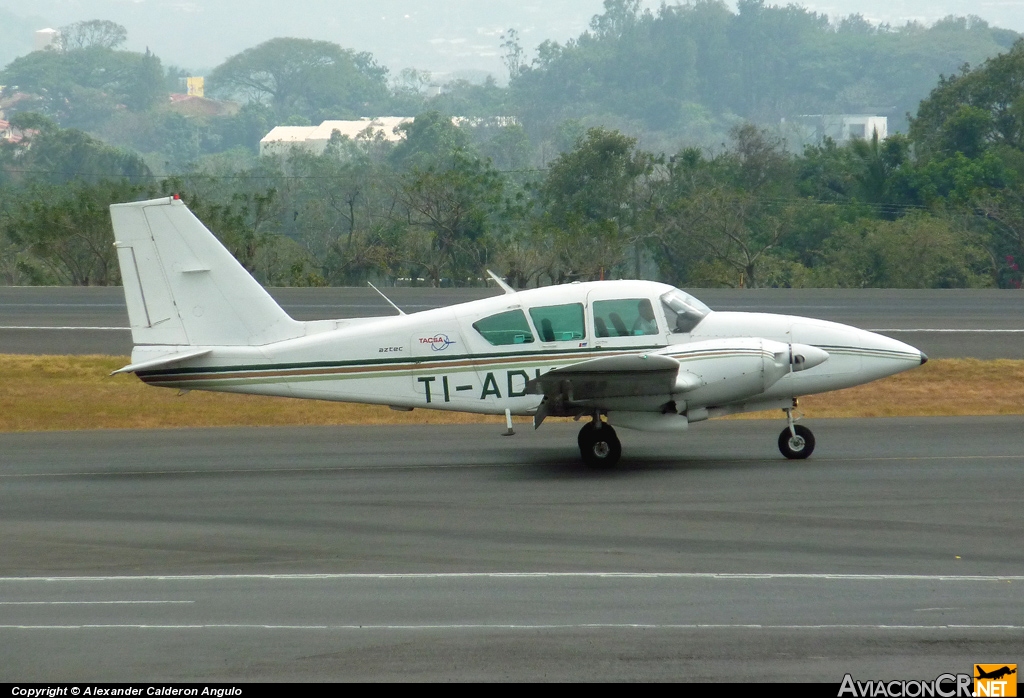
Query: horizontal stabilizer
x=162 y=361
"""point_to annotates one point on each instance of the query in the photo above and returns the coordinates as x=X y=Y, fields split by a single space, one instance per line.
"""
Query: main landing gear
x=796 y=441
x=599 y=446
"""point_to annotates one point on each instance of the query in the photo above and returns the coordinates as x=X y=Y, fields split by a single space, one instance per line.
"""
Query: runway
x=439 y=553
x=985 y=324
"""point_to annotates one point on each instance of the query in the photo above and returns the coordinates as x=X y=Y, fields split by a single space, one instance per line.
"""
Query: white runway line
x=512 y=626
x=533 y=575
x=84 y=603
x=920 y=329
x=50 y=327
x=325 y=469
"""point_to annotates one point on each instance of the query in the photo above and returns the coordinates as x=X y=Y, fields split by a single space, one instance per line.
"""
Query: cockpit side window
x=684 y=312
x=624 y=317
x=559 y=323
x=509 y=327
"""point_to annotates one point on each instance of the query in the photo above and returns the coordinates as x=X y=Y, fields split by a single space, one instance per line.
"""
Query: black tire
x=599 y=448
x=799 y=447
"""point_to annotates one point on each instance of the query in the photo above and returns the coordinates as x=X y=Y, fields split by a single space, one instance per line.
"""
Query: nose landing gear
x=796 y=441
x=797 y=444
x=599 y=446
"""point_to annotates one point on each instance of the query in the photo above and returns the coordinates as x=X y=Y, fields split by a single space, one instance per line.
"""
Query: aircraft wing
x=589 y=383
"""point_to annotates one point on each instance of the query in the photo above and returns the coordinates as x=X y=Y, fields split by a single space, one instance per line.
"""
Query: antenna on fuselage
x=400 y=311
x=498 y=280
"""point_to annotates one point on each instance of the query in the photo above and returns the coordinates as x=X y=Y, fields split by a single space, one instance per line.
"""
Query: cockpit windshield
x=683 y=311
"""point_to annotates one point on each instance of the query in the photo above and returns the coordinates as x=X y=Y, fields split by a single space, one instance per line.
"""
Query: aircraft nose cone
x=924 y=358
x=806 y=356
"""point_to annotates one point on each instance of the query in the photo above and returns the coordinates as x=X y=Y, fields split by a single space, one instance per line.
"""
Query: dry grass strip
x=39 y=393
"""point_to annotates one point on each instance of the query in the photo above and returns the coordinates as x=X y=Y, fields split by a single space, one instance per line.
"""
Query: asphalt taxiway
x=455 y=553
x=984 y=323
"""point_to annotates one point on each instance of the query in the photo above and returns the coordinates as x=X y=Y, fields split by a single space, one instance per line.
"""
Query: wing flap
x=631 y=375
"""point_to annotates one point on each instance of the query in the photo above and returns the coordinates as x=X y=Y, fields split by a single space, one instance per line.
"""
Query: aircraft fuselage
x=438 y=359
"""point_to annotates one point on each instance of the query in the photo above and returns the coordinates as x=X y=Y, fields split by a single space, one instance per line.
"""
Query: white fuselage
x=437 y=360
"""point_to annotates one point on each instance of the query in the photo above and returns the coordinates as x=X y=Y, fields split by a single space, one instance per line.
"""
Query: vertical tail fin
x=182 y=287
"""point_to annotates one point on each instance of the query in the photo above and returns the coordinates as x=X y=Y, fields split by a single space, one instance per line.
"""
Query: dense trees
x=90 y=33
x=592 y=200
x=974 y=109
x=693 y=69
x=65 y=231
x=55 y=188
x=579 y=186
x=313 y=79
x=84 y=87
x=433 y=208
x=57 y=156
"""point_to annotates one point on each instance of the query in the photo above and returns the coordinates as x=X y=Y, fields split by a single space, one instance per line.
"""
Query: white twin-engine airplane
x=634 y=354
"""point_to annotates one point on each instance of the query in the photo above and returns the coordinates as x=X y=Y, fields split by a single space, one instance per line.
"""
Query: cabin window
x=505 y=328
x=625 y=317
x=559 y=323
x=683 y=311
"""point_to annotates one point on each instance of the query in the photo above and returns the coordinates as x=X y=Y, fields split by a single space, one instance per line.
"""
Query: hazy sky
x=437 y=35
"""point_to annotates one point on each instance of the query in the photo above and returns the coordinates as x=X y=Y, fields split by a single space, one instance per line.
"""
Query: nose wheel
x=796 y=442
x=599 y=446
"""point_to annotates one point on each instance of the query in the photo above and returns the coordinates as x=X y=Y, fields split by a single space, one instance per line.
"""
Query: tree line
x=942 y=206
x=686 y=74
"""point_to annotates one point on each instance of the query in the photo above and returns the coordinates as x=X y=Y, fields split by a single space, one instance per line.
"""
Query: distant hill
x=693 y=71
x=437 y=35
x=440 y=36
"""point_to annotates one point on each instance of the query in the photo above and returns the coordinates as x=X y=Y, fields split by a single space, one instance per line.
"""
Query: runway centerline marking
x=944 y=329
x=530 y=575
x=85 y=603
x=888 y=458
x=508 y=626
x=51 y=327
x=228 y=471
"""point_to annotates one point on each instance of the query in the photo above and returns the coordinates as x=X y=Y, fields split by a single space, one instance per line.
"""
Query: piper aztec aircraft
x=632 y=354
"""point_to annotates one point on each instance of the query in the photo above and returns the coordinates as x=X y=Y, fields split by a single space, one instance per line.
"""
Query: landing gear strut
x=599 y=446
x=796 y=441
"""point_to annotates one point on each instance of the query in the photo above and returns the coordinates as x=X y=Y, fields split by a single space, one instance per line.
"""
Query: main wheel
x=599 y=447
x=799 y=446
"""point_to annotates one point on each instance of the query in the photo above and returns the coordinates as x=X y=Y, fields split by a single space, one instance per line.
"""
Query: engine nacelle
x=720 y=371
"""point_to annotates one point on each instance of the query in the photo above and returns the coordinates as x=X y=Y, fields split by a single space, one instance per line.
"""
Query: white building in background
x=841 y=128
x=44 y=38
x=863 y=126
x=314 y=139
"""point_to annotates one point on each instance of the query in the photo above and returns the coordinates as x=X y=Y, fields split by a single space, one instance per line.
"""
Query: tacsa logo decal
x=439 y=342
